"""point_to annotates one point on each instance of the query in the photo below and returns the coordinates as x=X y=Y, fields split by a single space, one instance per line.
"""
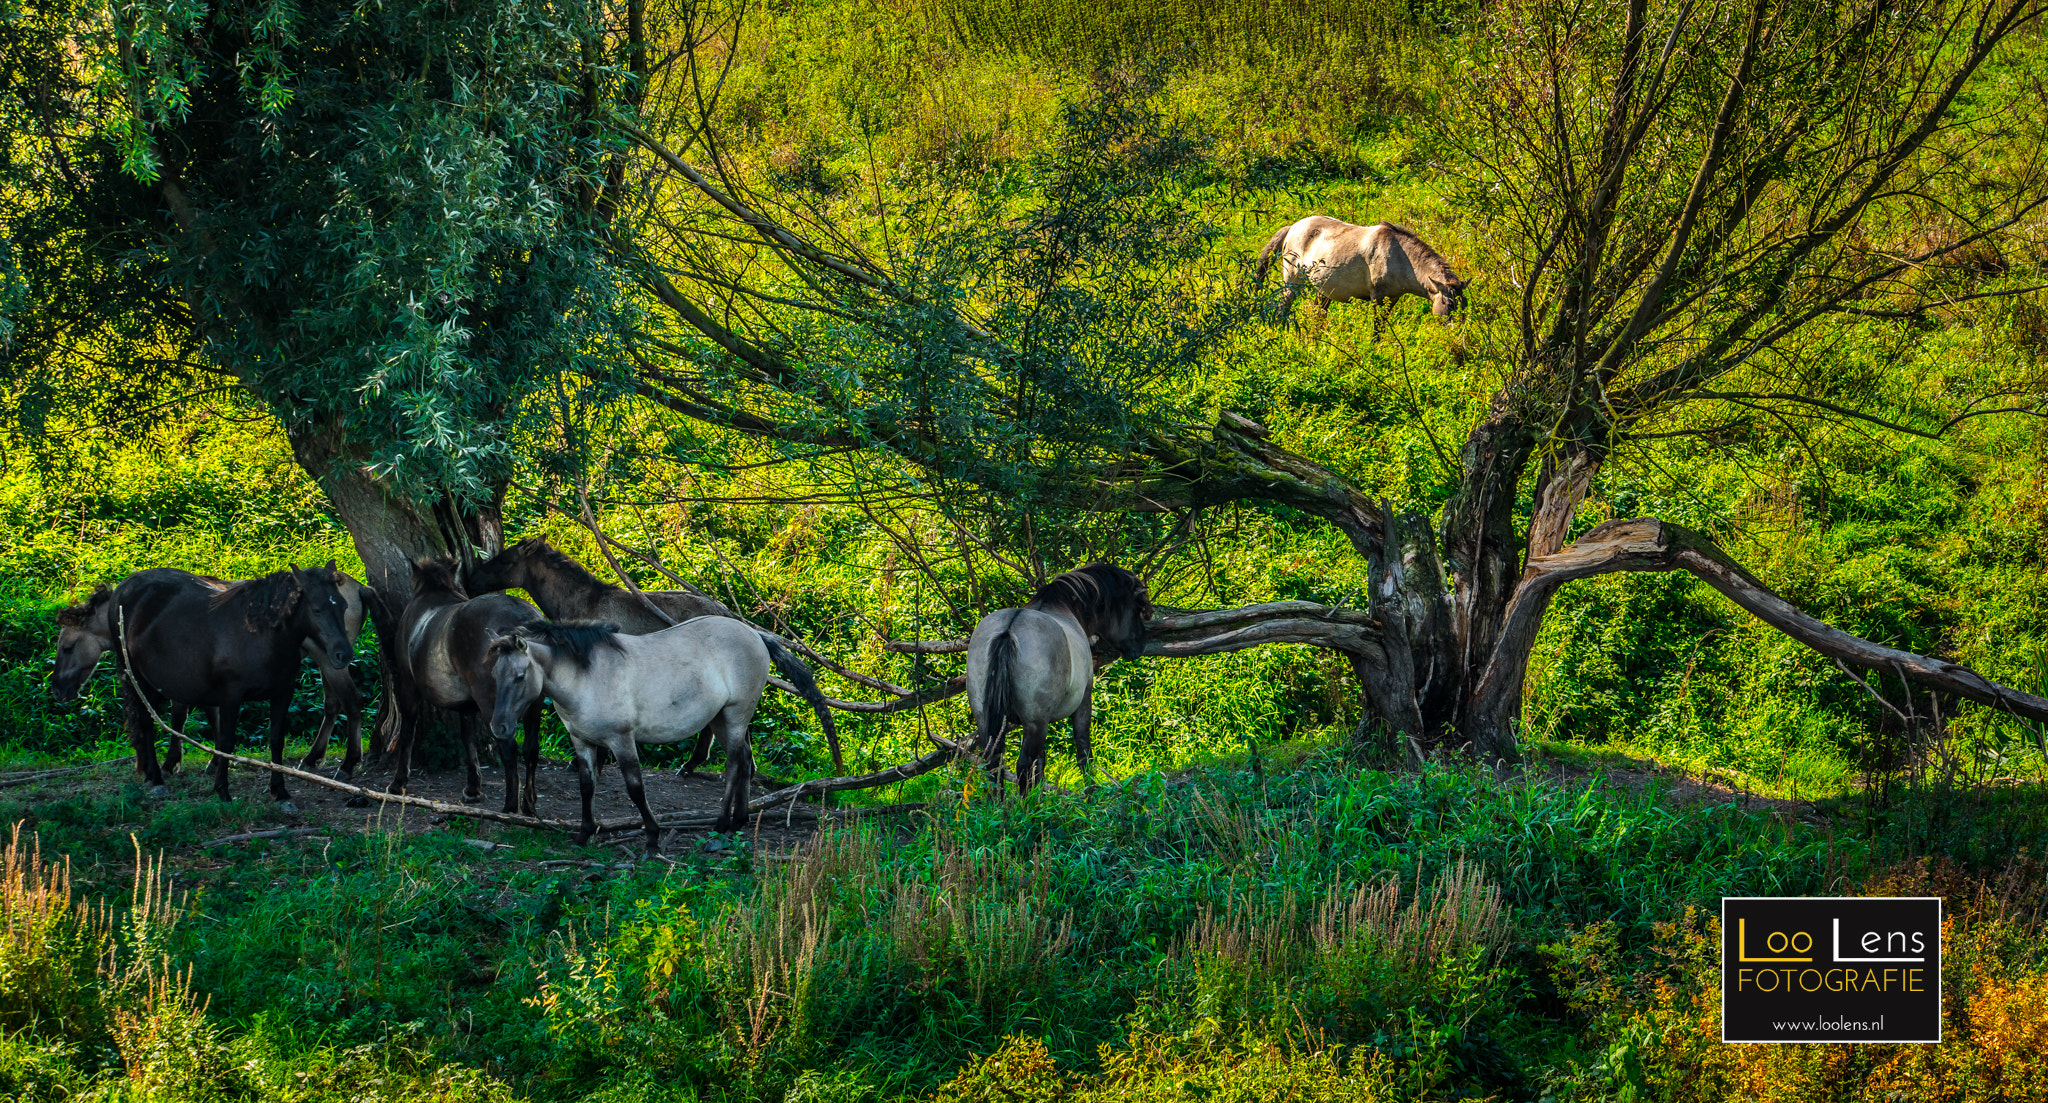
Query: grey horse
x=616 y=691
x=567 y=592
x=1034 y=665
x=1377 y=263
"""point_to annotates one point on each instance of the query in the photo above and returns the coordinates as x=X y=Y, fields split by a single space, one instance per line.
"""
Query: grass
x=1424 y=932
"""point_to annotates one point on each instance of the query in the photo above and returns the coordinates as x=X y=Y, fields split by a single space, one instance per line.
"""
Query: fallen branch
x=278 y=833
x=947 y=751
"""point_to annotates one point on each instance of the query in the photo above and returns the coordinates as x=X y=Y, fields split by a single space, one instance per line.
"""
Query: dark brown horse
x=1034 y=665
x=446 y=637
x=567 y=592
x=86 y=631
x=204 y=644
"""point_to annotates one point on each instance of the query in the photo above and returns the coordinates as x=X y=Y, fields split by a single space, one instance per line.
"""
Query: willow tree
x=1678 y=193
x=384 y=224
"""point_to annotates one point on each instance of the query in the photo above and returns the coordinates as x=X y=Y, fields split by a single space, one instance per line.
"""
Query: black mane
x=75 y=616
x=1094 y=592
x=579 y=640
x=269 y=599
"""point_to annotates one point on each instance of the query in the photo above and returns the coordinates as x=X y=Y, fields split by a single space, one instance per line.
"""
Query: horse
x=212 y=645
x=567 y=592
x=446 y=637
x=1377 y=263
x=1034 y=665
x=86 y=631
x=615 y=691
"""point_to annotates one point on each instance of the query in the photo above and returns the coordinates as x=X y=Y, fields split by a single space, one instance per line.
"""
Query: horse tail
x=998 y=691
x=1267 y=254
x=806 y=685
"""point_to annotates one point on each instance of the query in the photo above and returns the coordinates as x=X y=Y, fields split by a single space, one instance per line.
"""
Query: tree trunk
x=389 y=534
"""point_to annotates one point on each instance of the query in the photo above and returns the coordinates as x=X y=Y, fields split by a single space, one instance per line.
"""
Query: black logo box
x=1830 y=969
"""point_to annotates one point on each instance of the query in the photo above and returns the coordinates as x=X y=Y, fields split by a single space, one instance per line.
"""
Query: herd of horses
x=620 y=667
x=626 y=667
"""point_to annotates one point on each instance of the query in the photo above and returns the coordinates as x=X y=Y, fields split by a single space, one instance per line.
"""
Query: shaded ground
x=560 y=798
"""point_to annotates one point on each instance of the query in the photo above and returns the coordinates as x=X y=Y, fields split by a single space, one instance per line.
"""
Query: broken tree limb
x=252 y=836
x=1648 y=544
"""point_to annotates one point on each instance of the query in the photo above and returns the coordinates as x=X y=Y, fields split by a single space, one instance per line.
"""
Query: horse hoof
x=160 y=792
x=288 y=808
x=468 y=799
x=357 y=802
x=579 y=839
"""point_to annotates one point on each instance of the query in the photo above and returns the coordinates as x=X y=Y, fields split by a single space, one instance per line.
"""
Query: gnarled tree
x=1677 y=193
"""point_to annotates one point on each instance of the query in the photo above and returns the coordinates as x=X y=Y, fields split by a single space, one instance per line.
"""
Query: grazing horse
x=210 y=645
x=447 y=639
x=615 y=691
x=86 y=631
x=1035 y=665
x=1378 y=263
x=565 y=591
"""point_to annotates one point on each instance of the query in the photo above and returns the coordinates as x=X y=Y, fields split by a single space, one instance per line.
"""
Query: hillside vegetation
x=1234 y=906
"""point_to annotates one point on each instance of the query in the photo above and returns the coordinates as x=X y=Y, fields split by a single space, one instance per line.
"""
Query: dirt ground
x=560 y=798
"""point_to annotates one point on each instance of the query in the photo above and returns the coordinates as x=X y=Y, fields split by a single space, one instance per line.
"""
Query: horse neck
x=563 y=590
x=568 y=684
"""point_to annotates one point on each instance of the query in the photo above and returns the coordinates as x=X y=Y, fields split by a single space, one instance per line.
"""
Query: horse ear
x=521 y=641
x=331 y=566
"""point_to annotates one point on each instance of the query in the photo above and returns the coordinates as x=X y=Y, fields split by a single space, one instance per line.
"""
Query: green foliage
x=382 y=222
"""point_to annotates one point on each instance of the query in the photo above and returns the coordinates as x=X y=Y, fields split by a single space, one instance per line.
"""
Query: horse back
x=1051 y=670
x=632 y=615
x=195 y=651
x=448 y=656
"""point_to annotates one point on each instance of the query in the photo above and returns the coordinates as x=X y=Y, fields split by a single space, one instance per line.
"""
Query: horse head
x=83 y=634
x=1448 y=297
x=520 y=679
x=510 y=568
x=320 y=611
x=1111 y=603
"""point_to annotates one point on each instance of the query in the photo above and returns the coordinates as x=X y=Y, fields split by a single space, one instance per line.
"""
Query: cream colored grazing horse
x=1034 y=665
x=615 y=691
x=1377 y=263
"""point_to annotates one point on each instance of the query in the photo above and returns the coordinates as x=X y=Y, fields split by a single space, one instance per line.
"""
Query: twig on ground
x=277 y=833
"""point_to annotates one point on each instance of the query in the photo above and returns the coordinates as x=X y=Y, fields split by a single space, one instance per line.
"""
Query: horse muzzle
x=341 y=656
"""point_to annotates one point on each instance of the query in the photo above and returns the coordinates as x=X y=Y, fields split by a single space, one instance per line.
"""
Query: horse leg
x=174 y=746
x=280 y=712
x=994 y=759
x=700 y=752
x=1030 y=756
x=352 y=701
x=508 y=756
x=629 y=769
x=1084 y=751
x=328 y=703
x=473 y=790
x=586 y=778
x=529 y=799
x=224 y=717
x=731 y=724
x=408 y=733
x=1286 y=305
x=142 y=737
